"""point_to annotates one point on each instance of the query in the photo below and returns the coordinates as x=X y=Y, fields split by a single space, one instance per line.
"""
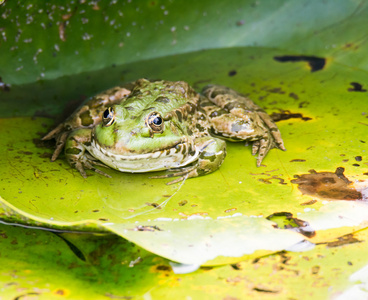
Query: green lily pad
x=41 y=265
x=221 y=217
x=106 y=267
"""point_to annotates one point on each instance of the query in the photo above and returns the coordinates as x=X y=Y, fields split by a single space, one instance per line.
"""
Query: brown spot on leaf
x=236 y=266
x=45 y=155
x=59 y=292
x=155 y=205
x=294 y=96
x=343 y=240
x=303 y=104
x=276 y=90
x=315 y=63
x=327 y=185
x=315 y=270
x=356 y=87
x=286 y=115
x=163 y=268
x=308 y=202
x=183 y=202
x=268 y=180
x=25 y=152
x=263 y=290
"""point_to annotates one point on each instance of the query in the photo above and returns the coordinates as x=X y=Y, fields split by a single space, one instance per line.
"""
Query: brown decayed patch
x=183 y=202
x=163 y=268
x=308 y=202
x=155 y=205
x=356 y=87
x=315 y=63
x=327 y=185
x=343 y=240
x=286 y=115
x=268 y=180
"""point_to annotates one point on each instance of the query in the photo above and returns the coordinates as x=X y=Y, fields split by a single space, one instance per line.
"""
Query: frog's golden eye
x=108 y=117
x=155 y=122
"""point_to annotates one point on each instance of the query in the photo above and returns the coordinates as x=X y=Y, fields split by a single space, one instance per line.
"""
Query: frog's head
x=150 y=130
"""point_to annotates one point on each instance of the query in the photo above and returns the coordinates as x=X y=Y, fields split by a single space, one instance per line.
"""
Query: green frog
x=150 y=126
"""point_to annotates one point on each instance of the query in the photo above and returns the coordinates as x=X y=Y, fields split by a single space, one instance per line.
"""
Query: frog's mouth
x=182 y=154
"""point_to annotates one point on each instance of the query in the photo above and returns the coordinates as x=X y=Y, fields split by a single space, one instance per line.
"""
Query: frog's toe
x=80 y=167
x=60 y=143
x=281 y=145
x=100 y=172
x=88 y=164
x=54 y=133
x=261 y=147
x=255 y=147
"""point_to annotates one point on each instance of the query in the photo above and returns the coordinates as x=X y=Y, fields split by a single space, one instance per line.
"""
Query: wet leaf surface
x=45 y=266
x=239 y=193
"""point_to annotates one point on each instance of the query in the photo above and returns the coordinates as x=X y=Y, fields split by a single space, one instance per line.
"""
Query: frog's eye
x=155 y=122
x=108 y=117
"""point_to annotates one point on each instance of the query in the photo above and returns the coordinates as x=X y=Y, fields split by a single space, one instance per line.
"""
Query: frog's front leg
x=235 y=117
x=87 y=115
x=76 y=154
x=212 y=152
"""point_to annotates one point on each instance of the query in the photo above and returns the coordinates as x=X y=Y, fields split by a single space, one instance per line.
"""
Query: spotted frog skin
x=163 y=125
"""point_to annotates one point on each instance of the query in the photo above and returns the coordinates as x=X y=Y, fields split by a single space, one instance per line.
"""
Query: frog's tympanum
x=163 y=125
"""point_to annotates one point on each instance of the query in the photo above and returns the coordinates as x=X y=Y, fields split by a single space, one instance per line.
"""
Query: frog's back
x=161 y=96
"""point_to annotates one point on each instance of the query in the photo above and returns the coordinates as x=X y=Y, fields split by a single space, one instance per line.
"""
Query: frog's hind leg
x=235 y=103
x=235 y=117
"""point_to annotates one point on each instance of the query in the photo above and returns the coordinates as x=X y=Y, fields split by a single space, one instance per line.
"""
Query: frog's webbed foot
x=60 y=134
x=77 y=154
x=277 y=141
x=86 y=162
x=262 y=147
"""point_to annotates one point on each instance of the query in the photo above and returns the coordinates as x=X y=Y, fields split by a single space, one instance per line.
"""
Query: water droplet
x=87 y=36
